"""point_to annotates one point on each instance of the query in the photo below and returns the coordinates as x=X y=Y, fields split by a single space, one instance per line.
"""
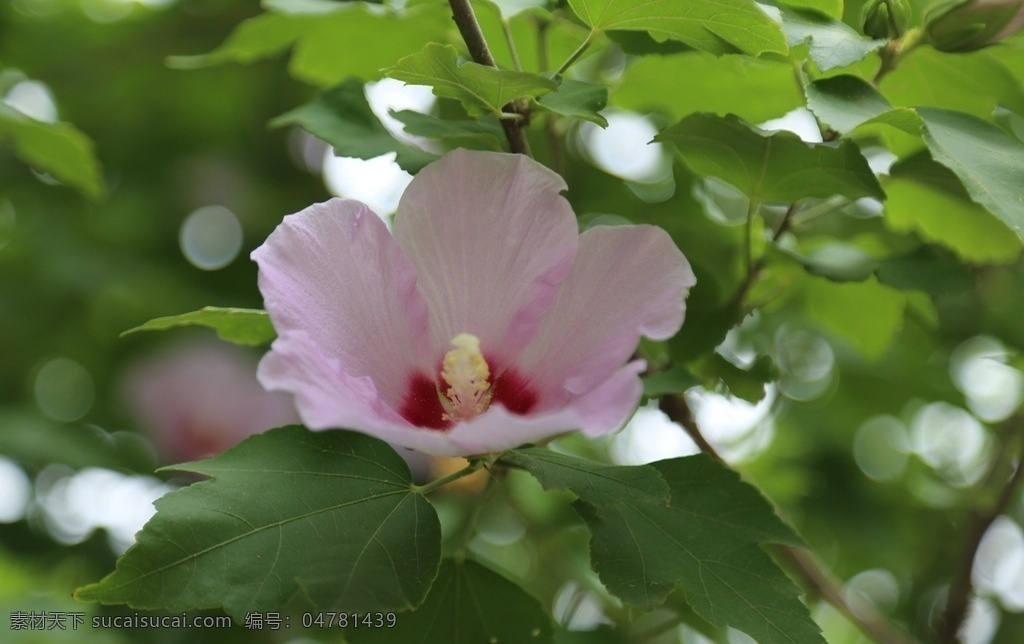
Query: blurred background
x=195 y=180
x=873 y=437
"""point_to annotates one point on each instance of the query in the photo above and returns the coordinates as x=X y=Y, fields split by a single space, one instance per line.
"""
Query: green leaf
x=595 y=483
x=603 y=634
x=470 y=134
x=481 y=89
x=927 y=198
x=865 y=314
x=331 y=513
x=578 y=99
x=36 y=442
x=467 y=604
x=770 y=168
x=831 y=8
x=675 y=380
x=718 y=84
x=974 y=83
x=832 y=43
x=240 y=326
x=59 y=149
x=989 y=162
x=342 y=117
x=928 y=270
x=324 y=55
x=717 y=26
x=705 y=541
x=323 y=36
x=259 y=37
x=747 y=384
x=844 y=102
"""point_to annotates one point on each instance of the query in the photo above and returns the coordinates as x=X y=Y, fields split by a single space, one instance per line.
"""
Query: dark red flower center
x=423 y=407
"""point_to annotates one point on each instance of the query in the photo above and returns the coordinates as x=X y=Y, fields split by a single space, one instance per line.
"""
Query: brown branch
x=868 y=620
x=469 y=27
x=961 y=589
x=676 y=409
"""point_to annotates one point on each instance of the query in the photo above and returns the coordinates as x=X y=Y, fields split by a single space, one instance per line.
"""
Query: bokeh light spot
x=211 y=237
x=993 y=389
x=805 y=362
x=15 y=491
x=880 y=448
x=33 y=99
x=76 y=504
x=378 y=182
x=951 y=441
x=64 y=390
x=999 y=564
x=623 y=148
x=650 y=436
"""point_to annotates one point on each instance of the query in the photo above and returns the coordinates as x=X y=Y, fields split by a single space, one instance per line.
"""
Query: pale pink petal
x=627 y=282
x=491 y=239
x=325 y=394
x=334 y=273
x=329 y=398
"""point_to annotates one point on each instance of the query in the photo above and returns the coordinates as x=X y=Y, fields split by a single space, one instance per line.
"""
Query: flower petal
x=335 y=274
x=627 y=281
x=491 y=238
x=325 y=395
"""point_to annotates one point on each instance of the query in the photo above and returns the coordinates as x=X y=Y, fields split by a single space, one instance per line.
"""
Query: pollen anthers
x=468 y=377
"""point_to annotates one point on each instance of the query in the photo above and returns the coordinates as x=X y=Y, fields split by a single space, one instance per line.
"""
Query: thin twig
x=551 y=121
x=865 y=617
x=473 y=466
x=676 y=409
x=961 y=588
x=754 y=269
x=469 y=27
x=574 y=56
x=506 y=30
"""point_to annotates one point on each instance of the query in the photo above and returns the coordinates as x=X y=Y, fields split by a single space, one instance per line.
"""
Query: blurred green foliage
x=175 y=125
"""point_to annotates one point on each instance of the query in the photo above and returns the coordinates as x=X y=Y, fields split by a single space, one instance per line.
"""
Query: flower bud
x=885 y=18
x=966 y=25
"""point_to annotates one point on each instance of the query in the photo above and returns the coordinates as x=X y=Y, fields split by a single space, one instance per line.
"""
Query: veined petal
x=491 y=238
x=627 y=282
x=334 y=273
x=325 y=395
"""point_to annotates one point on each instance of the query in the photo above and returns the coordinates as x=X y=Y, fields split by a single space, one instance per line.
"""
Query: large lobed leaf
x=331 y=513
x=927 y=198
x=342 y=117
x=240 y=326
x=467 y=604
x=717 y=26
x=324 y=34
x=831 y=43
x=703 y=537
x=595 y=483
x=987 y=160
x=773 y=168
x=481 y=89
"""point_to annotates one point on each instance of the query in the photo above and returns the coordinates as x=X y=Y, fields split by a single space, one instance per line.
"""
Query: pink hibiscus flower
x=200 y=397
x=485 y=322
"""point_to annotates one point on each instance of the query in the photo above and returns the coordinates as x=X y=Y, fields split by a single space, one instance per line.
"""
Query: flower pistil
x=468 y=377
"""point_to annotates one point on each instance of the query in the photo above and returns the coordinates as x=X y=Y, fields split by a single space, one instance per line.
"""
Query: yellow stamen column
x=468 y=377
